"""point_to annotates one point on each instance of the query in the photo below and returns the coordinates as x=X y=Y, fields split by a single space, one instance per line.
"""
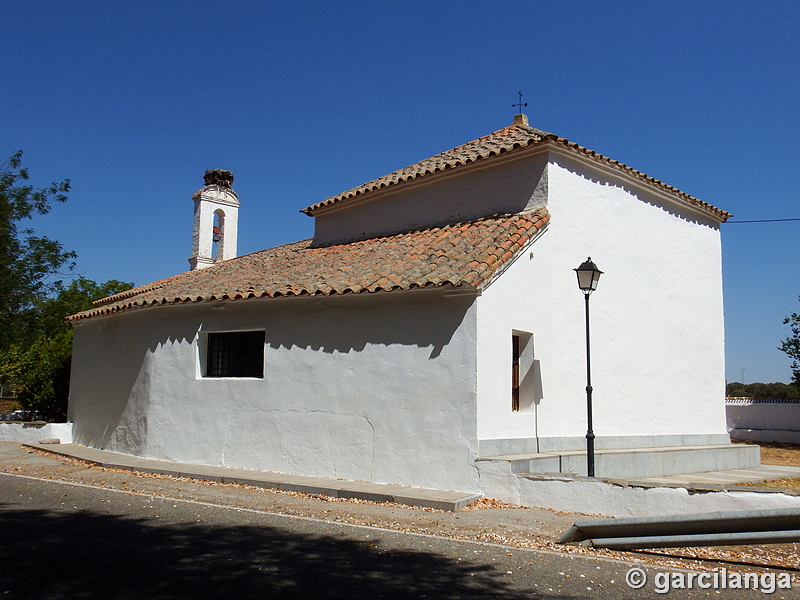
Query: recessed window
x=526 y=376
x=515 y=373
x=235 y=354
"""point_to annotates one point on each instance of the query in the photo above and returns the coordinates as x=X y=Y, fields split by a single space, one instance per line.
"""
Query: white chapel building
x=433 y=321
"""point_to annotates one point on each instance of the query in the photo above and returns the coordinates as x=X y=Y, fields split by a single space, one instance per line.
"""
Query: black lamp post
x=588 y=276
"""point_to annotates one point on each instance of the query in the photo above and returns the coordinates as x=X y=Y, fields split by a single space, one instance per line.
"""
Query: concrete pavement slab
x=313 y=486
x=440 y=504
x=439 y=499
x=728 y=477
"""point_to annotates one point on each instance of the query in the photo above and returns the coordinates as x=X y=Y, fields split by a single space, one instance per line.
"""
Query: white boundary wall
x=764 y=419
x=33 y=433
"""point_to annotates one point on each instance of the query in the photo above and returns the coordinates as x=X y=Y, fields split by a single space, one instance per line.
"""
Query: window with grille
x=235 y=354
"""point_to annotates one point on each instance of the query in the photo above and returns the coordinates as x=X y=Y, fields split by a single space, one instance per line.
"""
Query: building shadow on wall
x=344 y=324
x=331 y=325
x=48 y=555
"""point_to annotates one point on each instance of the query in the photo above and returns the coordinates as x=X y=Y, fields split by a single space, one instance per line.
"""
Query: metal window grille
x=235 y=354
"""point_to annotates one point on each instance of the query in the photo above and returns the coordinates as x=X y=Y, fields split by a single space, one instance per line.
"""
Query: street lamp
x=588 y=276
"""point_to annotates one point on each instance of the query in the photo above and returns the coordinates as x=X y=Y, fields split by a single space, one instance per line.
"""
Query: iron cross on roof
x=520 y=103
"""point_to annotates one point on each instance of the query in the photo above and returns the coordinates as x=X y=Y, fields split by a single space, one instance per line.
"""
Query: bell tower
x=216 y=214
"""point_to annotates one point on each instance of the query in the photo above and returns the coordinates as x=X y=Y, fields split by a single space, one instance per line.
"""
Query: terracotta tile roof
x=505 y=140
x=499 y=142
x=466 y=254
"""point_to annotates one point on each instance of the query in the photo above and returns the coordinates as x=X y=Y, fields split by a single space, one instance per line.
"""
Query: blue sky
x=302 y=100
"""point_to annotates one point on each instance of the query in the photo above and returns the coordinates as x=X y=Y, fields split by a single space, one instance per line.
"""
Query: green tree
x=41 y=368
x=41 y=372
x=27 y=261
x=78 y=296
x=35 y=338
x=791 y=345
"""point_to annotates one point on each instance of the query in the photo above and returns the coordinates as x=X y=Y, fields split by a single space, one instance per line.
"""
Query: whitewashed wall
x=764 y=415
x=400 y=387
x=656 y=319
x=33 y=433
x=379 y=388
x=764 y=421
x=507 y=184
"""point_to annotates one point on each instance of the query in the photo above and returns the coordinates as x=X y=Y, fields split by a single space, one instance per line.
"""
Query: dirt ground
x=486 y=521
x=774 y=453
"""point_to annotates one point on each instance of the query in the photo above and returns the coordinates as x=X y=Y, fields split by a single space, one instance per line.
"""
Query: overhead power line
x=763 y=221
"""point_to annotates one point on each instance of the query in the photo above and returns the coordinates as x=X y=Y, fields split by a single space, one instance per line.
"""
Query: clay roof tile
x=508 y=139
x=461 y=254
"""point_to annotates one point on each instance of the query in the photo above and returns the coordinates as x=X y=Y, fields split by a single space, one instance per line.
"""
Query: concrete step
x=727 y=478
x=630 y=463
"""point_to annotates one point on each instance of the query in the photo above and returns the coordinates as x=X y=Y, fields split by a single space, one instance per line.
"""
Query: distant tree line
x=763 y=390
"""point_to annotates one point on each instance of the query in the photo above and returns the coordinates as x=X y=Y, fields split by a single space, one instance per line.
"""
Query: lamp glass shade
x=588 y=276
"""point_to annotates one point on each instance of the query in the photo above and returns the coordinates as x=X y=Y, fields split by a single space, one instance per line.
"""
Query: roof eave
x=336 y=202
x=637 y=178
x=547 y=141
x=449 y=289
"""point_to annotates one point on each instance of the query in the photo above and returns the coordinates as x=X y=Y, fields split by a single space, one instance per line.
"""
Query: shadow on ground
x=90 y=555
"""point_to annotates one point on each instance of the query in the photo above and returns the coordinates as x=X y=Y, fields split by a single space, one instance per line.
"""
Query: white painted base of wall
x=597 y=497
x=638 y=463
x=783 y=436
x=502 y=447
x=32 y=433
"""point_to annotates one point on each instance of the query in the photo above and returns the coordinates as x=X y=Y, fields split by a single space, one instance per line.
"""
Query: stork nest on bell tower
x=218 y=177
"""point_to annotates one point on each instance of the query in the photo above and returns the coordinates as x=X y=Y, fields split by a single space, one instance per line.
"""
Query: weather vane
x=520 y=104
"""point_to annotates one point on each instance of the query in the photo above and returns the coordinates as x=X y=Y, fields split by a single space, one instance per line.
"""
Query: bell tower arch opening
x=216 y=213
x=218 y=235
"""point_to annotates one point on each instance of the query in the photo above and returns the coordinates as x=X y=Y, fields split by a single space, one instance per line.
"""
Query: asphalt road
x=77 y=541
